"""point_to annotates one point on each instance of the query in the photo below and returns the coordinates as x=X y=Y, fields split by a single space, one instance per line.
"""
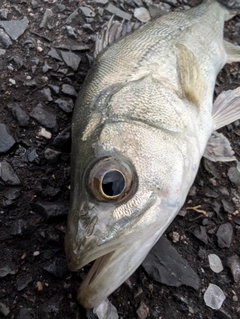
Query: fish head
x=123 y=199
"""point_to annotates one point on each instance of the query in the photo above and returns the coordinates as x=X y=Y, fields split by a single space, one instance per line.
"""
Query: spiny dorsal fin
x=190 y=76
x=112 y=31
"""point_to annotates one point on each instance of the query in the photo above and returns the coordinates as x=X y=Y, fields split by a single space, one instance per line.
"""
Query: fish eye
x=111 y=180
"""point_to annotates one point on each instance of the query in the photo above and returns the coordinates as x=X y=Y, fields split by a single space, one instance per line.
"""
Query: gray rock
x=53 y=54
x=3 y=14
x=87 y=12
x=32 y=156
x=43 y=116
x=47 y=15
x=69 y=90
x=16 y=62
x=25 y=313
x=201 y=234
x=5 y=39
x=73 y=16
x=57 y=267
x=2 y=51
x=4 y=309
x=63 y=138
x=90 y=314
x=51 y=210
x=227 y=206
x=166 y=266
x=8 y=268
x=224 y=235
x=46 y=95
x=65 y=105
x=46 y=67
x=7 y=174
x=233 y=263
x=106 y=310
x=6 y=140
x=10 y=195
x=70 y=32
x=54 y=88
x=51 y=155
x=19 y=114
x=23 y=281
x=15 y=28
x=71 y=59
x=142 y=14
x=60 y=7
x=118 y=12
x=102 y=1
x=18 y=228
x=234 y=175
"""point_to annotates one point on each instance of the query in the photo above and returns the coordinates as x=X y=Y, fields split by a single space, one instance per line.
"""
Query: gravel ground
x=46 y=49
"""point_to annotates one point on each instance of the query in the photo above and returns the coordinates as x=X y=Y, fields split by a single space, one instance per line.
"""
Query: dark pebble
x=16 y=62
x=10 y=195
x=7 y=174
x=227 y=206
x=55 y=88
x=71 y=59
x=57 y=267
x=224 y=235
x=63 y=139
x=7 y=268
x=32 y=156
x=4 y=39
x=201 y=234
x=51 y=155
x=19 y=114
x=51 y=210
x=43 y=116
x=65 y=105
x=26 y=313
x=6 y=140
x=53 y=54
x=233 y=263
x=69 y=90
x=18 y=227
x=23 y=281
x=166 y=266
x=234 y=175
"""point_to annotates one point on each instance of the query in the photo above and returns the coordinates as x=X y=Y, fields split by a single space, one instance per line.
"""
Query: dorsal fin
x=112 y=31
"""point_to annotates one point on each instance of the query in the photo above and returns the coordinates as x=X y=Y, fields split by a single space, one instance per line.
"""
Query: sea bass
x=142 y=121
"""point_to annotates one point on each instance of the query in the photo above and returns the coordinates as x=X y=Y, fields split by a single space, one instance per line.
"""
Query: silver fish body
x=140 y=127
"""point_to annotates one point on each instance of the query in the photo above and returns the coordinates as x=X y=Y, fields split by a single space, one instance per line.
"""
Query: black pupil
x=113 y=183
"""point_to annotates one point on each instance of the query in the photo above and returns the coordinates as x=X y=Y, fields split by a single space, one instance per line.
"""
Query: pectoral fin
x=219 y=149
x=190 y=76
x=226 y=108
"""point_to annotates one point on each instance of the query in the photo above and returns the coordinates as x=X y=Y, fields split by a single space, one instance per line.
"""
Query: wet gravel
x=46 y=49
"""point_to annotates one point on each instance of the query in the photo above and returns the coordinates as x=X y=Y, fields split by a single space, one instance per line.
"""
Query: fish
x=143 y=119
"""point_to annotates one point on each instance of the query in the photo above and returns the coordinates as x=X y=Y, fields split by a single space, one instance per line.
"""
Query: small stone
x=87 y=12
x=224 y=235
x=233 y=263
x=118 y=12
x=7 y=174
x=43 y=116
x=4 y=310
x=57 y=267
x=12 y=81
x=44 y=133
x=51 y=210
x=214 y=297
x=17 y=62
x=201 y=234
x=10 y=195
x=25 y=313
x=215 y=263
x=65 y=105
x=228 y=207
x=55 y=88
x=3 y=14
x=7 y=268
x=69 y=90
x=234 y=175
x=51 y=155
x=46 y=67
x=23 y=281
x=47 y=15
x=53 y=54
x=142 y=14
x=36 y=253
x=5 y=39
x=19 y=114
x=106 y=310
x=70 y=32
x=18 y=227
x=32 y=156
x=71 y=59
x=63 y=139
x=46 y=95
x=6 y=140
x=143 y=311
x=15 y=28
